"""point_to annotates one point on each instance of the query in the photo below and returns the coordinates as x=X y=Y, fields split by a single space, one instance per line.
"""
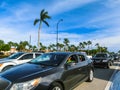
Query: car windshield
x=100 y=55
x=15 y=56
x=49 y=59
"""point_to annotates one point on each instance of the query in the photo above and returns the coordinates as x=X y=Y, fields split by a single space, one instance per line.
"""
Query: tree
x=85 y=43
x=5 y=47
x=43 y=48
x=61 y=46
x=43 y=15
x=22 y=45
x=10 y=43
x=89 y=43
x=119 y=52
x=66 y=42
x=72 y=48
x=1 y=44
x=81 y=46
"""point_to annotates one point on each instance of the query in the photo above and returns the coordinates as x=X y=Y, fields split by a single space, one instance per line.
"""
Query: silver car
x=17 y=58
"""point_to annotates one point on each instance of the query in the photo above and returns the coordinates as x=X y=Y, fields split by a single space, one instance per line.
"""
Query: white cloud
x=112 y=3
x=66 y=5
x=108 y=36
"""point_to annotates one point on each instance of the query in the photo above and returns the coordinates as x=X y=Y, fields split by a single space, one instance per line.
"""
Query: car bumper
x=100 y=64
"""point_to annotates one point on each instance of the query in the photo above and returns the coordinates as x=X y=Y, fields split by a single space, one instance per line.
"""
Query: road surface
x=101 y=78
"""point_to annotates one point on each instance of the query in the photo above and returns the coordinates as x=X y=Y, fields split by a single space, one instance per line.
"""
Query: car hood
x=3 y=60
x=27 y=72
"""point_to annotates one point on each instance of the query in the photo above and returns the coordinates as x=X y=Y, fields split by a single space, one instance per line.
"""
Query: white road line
x=110 y=80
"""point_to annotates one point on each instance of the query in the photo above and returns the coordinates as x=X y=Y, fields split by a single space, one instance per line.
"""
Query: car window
x=72 y=59
x=37 y=55
x=81 y=58
x=15 y=55
x=49 y=59
x=27 y=56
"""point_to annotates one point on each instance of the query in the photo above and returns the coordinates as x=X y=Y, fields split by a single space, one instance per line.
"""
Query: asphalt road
x=101 y=78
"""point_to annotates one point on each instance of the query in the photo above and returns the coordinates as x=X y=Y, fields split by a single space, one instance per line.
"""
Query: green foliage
x=64 y=46
x=5 y=47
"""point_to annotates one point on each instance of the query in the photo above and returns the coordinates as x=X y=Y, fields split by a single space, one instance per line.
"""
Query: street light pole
x=57 y=33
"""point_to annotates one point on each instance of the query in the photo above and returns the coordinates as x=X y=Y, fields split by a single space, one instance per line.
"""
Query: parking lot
x=101 y=79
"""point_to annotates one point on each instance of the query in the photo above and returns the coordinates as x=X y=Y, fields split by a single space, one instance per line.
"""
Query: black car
x=50 y=71
x=116 y=57
x=102 y=60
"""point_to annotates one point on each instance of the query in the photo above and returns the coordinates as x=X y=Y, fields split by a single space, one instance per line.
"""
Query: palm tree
x=85 y=44
x=89 y=43
x=43 y=15
x=66 y=43
x=81 y=46
x=22 y=45
x=61 y=46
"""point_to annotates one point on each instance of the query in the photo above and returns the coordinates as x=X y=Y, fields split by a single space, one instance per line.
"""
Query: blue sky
x=83 y=20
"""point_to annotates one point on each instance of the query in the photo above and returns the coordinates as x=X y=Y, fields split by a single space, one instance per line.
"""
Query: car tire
x=91 y=76
x=111 y=63
x=56 y=86
x=7 y=67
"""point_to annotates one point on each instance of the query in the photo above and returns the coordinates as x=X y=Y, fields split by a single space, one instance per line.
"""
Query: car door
x=82 y=67
x=70 y=75
x=25 y=58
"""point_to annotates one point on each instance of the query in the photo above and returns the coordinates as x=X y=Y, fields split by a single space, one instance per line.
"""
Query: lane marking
x=111 y=79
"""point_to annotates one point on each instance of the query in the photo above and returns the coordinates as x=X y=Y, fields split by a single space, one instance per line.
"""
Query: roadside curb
x=111 y=79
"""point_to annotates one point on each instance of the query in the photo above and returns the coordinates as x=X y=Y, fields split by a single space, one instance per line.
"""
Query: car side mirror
x=69 y=65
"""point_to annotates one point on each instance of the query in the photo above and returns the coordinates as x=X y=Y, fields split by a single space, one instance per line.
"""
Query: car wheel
x=111 y=63
x=7 y=67
x=56 y=86
x=90 y=77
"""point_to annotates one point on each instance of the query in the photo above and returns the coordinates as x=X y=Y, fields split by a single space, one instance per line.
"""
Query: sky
x=83 y=20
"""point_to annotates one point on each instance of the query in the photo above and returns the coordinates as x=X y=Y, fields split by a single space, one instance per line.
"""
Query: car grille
x=98 y=60
x=4 y=83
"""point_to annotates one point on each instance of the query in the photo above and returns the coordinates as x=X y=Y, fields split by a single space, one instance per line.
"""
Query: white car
x=89 y=56
x=17 y=58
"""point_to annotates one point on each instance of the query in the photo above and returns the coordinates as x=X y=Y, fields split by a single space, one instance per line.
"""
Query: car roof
x=67 y=53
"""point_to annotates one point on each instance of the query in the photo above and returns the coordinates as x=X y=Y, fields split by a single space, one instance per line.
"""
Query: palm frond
x=48 y=17
x=45 y=13
x=36 y=21
x=46 y=23
x=42 y=12
x=45 y=17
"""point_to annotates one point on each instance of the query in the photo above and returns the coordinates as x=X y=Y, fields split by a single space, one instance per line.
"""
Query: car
x=16 y=58
x=116 y=57
x=89 y=56
x=102 y=60
x=50 y=71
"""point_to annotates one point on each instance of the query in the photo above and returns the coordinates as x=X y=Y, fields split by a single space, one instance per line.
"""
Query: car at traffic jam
x=102 y=60
x=16 y=59
x=50 y=71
